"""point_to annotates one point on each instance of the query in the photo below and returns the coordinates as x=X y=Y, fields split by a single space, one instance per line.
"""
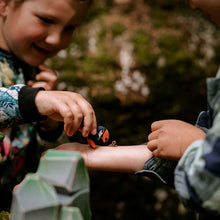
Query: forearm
x=116 y=159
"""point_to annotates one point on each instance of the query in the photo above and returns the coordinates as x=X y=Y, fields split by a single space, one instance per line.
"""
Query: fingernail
x=85 y=134
x=94 y=131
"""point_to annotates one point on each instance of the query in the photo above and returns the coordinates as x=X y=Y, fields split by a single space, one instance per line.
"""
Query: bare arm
x=116 y=159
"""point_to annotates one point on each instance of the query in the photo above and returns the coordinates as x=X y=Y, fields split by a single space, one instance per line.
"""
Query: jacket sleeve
x=159 y=169
x=197 y=175
x=17 y=105
x=9 y=108
x=163 y=169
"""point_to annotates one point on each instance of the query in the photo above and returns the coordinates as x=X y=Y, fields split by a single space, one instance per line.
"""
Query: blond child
x=30 y=32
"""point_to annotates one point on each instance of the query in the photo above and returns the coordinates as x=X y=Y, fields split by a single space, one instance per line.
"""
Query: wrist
x=27 y=104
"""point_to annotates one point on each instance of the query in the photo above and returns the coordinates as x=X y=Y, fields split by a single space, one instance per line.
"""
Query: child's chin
x=35 y=62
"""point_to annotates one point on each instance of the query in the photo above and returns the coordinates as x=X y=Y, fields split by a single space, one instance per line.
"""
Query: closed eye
x=46 y=20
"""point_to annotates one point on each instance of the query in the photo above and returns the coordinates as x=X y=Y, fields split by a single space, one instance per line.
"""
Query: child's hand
x=69 y=107
x=170 y=138
x=46 y=79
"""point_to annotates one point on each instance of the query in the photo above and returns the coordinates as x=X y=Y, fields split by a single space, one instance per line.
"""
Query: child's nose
x=54 y=38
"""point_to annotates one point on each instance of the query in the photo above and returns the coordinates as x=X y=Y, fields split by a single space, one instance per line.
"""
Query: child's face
x=38 y=29
x=210 y=7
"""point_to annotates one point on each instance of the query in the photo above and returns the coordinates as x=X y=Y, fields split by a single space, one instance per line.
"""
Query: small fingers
x=152 y=145
x=153 y=135
x=30 y=83
x=44 y=68
x=48 y=78
x=72 y=118
x=89 y=124
x=156 y=153
x=157 y=124
x=160 y=153
x=45 y=85
x=71 y=108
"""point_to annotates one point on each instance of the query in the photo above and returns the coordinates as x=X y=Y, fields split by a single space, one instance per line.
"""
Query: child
x=30 y=32
x=197 y=173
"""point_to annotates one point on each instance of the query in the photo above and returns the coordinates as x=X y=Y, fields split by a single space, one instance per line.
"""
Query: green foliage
x=159 y=18
x=4 y=215
x=141 y=38
x=170 y=44
x=117 y=29
x=102 y=33
x=177 y=86
x=72 y=79
x=128 y=8
x=106 y=60
x=89 y=65
x=99 y=9
x=142 y=48
x=106 y=98
x=80 y=40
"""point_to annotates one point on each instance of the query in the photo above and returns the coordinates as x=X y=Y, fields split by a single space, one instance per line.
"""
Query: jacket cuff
x=159 y=169
x=27 y=107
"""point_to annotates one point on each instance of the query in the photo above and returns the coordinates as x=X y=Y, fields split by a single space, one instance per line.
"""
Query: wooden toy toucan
x=101 y=137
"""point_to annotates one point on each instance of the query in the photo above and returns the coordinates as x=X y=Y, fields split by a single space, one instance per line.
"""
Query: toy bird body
x=101 y=137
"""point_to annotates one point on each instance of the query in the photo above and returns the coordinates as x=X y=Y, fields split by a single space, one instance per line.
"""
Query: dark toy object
x=101 y=137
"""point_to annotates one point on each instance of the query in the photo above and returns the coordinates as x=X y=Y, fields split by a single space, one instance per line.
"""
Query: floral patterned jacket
x=20 y=135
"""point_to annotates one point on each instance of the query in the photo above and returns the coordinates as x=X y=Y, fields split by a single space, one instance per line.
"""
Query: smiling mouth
x=41 y=50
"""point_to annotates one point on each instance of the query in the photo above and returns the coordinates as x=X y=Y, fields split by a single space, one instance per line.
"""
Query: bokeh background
x=137 y=62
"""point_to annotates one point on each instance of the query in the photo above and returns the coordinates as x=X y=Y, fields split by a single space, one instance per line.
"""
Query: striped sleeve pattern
x=197 y=175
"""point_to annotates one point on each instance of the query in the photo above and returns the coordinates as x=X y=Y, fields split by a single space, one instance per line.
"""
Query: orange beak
x=91 y=143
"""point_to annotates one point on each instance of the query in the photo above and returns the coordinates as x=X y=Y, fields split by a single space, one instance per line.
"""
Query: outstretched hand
x=69 y=107
x=110 y=158
x=170 y=138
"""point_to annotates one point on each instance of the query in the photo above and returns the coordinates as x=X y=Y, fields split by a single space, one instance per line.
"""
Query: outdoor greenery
x=139 y=62
x=4 y=215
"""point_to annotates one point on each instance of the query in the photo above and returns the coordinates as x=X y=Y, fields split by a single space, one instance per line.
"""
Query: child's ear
x=3 y=7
